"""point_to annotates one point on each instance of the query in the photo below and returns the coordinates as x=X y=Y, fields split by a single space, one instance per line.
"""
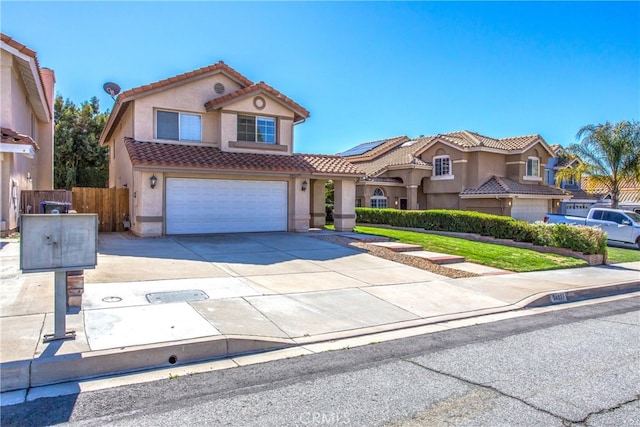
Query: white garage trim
x=530 y=210
x=197 y=206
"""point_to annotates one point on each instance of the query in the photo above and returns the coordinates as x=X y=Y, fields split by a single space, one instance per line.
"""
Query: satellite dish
x=112 y=89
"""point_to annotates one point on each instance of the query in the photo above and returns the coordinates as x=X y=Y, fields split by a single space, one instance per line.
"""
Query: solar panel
x=362 y=148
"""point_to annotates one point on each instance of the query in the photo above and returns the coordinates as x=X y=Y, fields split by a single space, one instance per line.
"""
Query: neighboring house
x=585 y=194
x=26 y=122
x=209 y=151
x=459 y=170
x=580 y=201
x=628 y=194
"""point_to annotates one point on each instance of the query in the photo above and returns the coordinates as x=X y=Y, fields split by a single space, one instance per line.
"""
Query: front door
x=403 y=204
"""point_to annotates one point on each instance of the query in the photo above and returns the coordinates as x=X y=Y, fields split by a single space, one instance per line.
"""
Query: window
x=441 y=165
x=178 y=126
x=257 y=129
x=616 y=217
x=571 y=181
x=533 y=166
x=378 y=200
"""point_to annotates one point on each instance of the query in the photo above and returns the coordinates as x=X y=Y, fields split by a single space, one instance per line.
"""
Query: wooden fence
x=30 y=199
x=111 y=205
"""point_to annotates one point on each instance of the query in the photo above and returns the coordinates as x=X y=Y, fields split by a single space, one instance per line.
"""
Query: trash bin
x=50 y=207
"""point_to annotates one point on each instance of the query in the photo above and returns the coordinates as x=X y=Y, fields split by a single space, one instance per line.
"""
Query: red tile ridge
x=12 y=137
x=260 y=86
x=220 y=65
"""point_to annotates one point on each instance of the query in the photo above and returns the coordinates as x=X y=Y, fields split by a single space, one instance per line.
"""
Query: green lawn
x=622 y=255
x=498 y=256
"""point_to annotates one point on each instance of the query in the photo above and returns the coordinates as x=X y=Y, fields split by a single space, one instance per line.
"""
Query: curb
x=580 y=294
x=24 y=374
x=52 y=370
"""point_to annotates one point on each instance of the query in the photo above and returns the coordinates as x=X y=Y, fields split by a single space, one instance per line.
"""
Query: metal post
x=60 y=310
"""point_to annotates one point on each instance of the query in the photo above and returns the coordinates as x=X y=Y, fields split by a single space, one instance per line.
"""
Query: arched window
x=378 y=200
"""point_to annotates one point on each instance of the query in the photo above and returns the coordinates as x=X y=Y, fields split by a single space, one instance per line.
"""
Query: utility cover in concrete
x=177 y=296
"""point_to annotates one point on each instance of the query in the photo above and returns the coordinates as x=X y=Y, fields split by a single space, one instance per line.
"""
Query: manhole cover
x=176 y=296
x=112 y=299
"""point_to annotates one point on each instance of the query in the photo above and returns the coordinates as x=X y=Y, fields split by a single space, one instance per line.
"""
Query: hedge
x=587 y=240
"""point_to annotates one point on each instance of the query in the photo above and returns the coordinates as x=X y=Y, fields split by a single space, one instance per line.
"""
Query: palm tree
x=609 y=153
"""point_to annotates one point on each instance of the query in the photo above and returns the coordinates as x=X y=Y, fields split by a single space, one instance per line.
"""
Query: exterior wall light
x=304 y=185
x=154 y=181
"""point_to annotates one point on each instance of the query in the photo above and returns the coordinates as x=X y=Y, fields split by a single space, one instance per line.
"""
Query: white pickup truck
x=620 y=225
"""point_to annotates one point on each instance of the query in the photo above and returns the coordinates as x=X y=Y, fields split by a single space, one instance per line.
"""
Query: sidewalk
x=171 y=301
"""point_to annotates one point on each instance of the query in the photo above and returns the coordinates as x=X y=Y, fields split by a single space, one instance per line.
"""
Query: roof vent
x=219 y=88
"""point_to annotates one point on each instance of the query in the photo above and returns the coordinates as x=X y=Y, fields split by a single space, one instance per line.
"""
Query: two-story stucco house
x=459 y=170
x=210 y=151
x=26 y=122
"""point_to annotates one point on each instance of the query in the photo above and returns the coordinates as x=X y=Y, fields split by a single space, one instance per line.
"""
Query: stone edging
x=596 y=259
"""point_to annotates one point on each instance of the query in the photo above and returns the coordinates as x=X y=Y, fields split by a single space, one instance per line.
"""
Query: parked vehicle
x=620 y=225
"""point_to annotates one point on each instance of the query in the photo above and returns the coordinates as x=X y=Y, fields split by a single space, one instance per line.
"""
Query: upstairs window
x=178 y=126
x=378 y=200
x=533 y=166
x=442 y=166
x=257 y=129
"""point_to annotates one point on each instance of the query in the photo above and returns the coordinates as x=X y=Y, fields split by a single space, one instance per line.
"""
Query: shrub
x=581 y=239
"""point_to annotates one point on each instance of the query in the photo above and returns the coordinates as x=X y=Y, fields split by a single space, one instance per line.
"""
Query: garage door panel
x=530 y=210
x=220 y=206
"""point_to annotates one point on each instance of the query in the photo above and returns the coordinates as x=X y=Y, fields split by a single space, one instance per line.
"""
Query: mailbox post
x=58 y=243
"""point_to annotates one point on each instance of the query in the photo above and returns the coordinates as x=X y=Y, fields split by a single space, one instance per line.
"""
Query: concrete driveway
x=267 y=259
x=278 y=285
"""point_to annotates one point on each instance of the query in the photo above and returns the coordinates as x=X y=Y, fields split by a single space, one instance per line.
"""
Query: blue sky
x=365 y=70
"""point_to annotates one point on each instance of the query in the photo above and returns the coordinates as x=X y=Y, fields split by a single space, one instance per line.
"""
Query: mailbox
x=58 y=242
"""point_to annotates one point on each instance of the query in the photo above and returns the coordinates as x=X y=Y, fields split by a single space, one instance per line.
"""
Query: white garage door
x=530 y=210
x=195 y=206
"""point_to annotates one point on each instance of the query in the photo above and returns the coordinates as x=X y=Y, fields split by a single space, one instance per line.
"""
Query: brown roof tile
x=403 y=151
x=468 y=139
x=331 y=164
x=207 y=157
x=219 y=66
x=496 y=186
x=402 y=154
x=302 y=113
x=12 y=137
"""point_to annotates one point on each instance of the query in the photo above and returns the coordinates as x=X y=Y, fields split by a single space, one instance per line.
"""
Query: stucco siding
x=443 y=201
x=489 y=206
x=190 y=98
x=120 y=168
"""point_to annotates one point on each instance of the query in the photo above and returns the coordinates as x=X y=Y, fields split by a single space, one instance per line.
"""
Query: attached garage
x=197 y=206
x=530 y=210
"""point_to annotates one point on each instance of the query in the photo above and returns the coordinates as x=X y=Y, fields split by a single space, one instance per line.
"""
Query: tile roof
x=402 y=154
x=583 y=195
x=370 y=149
x=331 y=164
x=400 y=151
x=219 y=66
x=160 y=154
x=12 y=137
x=32 y=54
x=468 y=139
x=497 y=186
x=301 y=112
x=629 y=189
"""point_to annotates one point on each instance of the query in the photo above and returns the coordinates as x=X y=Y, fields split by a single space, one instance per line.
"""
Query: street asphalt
x=153 y=303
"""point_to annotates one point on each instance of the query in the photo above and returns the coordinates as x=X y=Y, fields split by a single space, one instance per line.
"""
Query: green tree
x=608 y=153
x=79 y=160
